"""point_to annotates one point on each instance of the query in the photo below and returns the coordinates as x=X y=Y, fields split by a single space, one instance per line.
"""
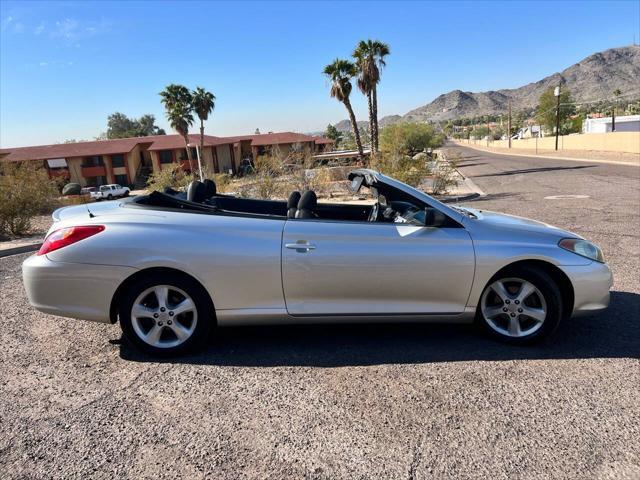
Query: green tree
x=25 y=191
x=340 y=72
x=547 y=105
x=334 y=134
x=203 y=104
x=408 y=138
x=178 y=106
x=369 y=56
x=121 y=126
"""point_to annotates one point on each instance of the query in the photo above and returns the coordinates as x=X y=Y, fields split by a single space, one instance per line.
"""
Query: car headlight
x=582 y=248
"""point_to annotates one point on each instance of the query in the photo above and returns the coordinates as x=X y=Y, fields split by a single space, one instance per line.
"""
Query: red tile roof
x=168 y=142
x=156 y=142
x=322 y=140
x=79 y=149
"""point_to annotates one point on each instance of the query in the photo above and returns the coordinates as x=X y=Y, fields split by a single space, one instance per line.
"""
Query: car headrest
x=210 y=187
x=196 y=192
x=294 y=198
x=307 y=204
x=292 y=204
x=308 y=200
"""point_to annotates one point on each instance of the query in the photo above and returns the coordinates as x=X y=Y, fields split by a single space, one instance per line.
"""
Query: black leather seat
x=210 y=188
x=292 y=204
x=307 y=205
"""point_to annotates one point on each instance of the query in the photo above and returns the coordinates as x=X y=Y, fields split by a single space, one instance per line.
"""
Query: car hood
x=513 y=222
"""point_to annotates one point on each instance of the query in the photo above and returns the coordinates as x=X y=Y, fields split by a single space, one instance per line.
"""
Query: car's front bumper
x=72 y=289
x=591 y=285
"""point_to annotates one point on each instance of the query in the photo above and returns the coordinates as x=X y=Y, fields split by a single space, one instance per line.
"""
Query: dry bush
x=268 y=165
x=401 y=167
x=25 y=191
x=170 y=176
x=444 y=177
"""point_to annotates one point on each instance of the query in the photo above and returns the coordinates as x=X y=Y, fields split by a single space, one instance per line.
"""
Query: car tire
x=153 y=326
x=109 y=197
x=520 y=306
x=126 y=193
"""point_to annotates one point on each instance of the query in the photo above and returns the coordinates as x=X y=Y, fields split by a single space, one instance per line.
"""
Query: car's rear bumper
x=591 y=285
x=72 y=289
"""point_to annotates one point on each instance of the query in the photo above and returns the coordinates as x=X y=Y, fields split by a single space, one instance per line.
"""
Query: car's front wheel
x=520 y=306
x=166 y=314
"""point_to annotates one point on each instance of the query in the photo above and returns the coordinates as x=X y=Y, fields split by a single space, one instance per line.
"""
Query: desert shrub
x=223 y=181
x=25 y=191
x=268 y=165
x=401 y=167
x=444 y=177
x=263 y=182
x=408 y=138
x=71 y=189
x=170 y=176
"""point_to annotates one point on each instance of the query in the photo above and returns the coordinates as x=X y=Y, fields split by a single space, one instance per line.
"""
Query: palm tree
x=369 y=56
x=340 y=72
x=203 y=104
x=177 y=100
x=616 y=93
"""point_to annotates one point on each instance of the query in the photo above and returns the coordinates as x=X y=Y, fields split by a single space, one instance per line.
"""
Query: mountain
x=591 y=79
x=345 y=125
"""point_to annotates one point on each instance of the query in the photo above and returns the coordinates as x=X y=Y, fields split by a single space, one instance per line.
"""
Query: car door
x=355 y=268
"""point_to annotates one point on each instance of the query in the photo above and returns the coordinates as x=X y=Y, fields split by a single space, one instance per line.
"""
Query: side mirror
x=434 y=217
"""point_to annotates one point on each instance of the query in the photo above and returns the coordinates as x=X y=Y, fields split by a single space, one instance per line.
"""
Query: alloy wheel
x=513 y=307
x=164 y=316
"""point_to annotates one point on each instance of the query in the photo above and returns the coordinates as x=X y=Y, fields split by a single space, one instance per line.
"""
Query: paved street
x=343 y=402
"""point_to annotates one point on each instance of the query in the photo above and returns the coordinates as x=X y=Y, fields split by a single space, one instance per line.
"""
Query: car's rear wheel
x=165 y=314
x=520 y=306
x=109 y=197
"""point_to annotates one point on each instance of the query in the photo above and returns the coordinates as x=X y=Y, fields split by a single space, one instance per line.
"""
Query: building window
x=183 y=154
x=117 y=160
x=166 y=156
x=95 y=161
x=122 y=180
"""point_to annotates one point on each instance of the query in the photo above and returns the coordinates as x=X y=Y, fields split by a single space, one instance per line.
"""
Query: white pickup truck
x=109 y=192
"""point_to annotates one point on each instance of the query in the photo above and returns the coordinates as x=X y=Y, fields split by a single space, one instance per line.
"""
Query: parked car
x=169 y=267
x=87 y=190
x=109 y=192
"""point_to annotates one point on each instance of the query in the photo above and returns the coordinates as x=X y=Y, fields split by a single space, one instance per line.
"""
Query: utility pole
x=556 y=92
x=509 y=125
x=488 y=131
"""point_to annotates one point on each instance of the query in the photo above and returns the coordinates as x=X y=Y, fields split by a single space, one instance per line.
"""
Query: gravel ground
x=334 y=402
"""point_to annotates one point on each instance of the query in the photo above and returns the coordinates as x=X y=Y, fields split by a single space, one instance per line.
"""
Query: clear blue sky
x=65 y=66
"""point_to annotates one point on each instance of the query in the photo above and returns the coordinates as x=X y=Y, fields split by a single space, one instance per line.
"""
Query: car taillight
x=67 y=236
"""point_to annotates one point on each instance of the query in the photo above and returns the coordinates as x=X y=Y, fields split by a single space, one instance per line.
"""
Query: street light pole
x=199 y=161
x=556 y=92
x=488 y=131
x=509 y=125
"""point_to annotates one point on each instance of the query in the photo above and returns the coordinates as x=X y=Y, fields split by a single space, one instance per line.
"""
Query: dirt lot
x=400 y=401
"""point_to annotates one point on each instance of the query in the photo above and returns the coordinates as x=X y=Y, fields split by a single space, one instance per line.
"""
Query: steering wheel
x=373 y=216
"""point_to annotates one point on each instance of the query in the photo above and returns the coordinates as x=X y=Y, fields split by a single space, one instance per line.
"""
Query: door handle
x=300 y=246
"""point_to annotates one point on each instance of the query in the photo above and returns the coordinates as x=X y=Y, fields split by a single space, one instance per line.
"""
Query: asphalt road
x=342 y=402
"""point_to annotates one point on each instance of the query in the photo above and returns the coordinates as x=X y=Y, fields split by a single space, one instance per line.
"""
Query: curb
x=477 y=191
x=549 y=157
x=454 y=199
x=21 y=249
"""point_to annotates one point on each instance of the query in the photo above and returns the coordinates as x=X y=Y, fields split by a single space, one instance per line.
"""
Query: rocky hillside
x=593 y=78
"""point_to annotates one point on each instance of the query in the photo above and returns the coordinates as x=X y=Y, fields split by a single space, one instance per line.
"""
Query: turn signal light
x=67 y=236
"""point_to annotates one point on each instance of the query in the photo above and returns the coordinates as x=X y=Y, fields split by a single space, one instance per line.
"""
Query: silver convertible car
x=170 y=266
